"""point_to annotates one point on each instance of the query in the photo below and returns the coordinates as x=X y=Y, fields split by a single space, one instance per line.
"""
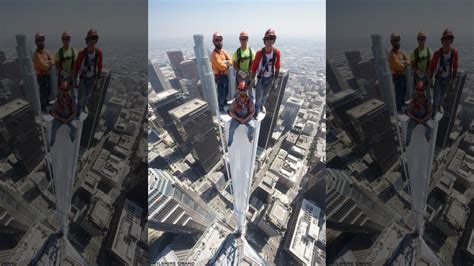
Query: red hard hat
x=92 y=32
x=216 y=35
x=448 y=32
x=242 y=86
x=270 y=32
x=243 y=34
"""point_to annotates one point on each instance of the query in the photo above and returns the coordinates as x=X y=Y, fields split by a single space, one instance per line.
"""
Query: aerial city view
x=71 y=176
x=254 y=199
x=399 y=193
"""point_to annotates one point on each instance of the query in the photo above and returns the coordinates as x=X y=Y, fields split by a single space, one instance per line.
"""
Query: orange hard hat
x=216 y=35
x=421 y=34
x=242 y=86
x=270 y=32
x=243 y=34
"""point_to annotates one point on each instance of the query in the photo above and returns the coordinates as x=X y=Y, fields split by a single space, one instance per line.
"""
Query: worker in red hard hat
x=444 y=67
x=88 y=67
x=242 y=60
x=64 y=59
x=420 y=62
x=398 y=63
x=64 y=112
x=242 y=111
x=221 y=61
x=42 y=62
x=419 y=111
x=266 y=67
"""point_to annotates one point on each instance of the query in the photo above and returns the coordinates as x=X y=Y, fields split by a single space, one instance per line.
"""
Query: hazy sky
x=183 y=18
x=352 y=21
x=114 y=19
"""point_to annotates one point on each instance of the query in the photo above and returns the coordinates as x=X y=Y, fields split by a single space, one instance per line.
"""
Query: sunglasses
x=270 y=38
x=66 y=38
x=91 y=39
x=40 y=40
x=244 y=39
x=421 y=38
x=218 y=40
x=449 y=38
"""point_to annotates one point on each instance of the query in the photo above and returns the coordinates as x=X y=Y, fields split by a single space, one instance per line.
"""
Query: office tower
x=173 y=208
x=272 y=107
x=156 y=78
x=371 y=122
x=354 y=57
x=176 y=57
x=95 y=108
x=27 y=72
x=205 y=73
x=174 y=82
x=467 y=112
x=367 y=70
x=112 y=113
x=162 y=103
x=450 y=106
x=349 y=205
x=384 y=76
x=292 y=108
x=334 y=78
x=11 y=70
x=20 y=134
x=340 y=103
x=189 y=69
x=194 y=122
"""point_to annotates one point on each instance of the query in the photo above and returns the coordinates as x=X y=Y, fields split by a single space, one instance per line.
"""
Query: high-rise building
x=348 y=204
x=372 y=125
x=272 y=107
x=334 y=78
x=367 y=69
x=354 y=57
x=194 y=122
x=205 y=73
x=340 y=103
x=450 y=106
x=467 y=112
x=95 y=108
x=384 y=76
x=173 y=208
x=189 y=69
x=162 y=103
x=20 y=134
x=292 y=108
x=114 y=107
x=156 y=78
x=176 y=57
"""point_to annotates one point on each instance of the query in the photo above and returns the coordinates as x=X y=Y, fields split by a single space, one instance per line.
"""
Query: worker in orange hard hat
x=42 y=62
x=64 y=112
x=88 y=67
x=398 y=63
x=420 y=62
x=444 y=67
x=242 y=60
x=242 y=111
x=266 y=67
x=419 y=111
x=221 y=61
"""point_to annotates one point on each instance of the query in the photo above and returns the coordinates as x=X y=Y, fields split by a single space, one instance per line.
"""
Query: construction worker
x=64 y=112
x=444 y=67
x=242 y=111
x=420 y=62
x=419 y=111
x=398 y=63
x=266 y=68
x=88 y=67
x=42 y=62
x=242 y=59
x=221 y=61
x=64 y=59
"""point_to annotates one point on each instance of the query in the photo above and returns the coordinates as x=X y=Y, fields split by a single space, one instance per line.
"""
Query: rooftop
x=365 y=109
x=188 y=109
x=11 y=107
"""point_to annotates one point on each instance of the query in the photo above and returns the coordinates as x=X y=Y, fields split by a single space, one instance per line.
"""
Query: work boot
x=251 y=139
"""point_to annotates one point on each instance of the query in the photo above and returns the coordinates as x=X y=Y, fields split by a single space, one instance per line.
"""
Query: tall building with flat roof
x=334 y=78
x=272 y=106
x=354 y=57
x=189 y=69
x=292 y=108
x=156 y=78
x=194 y=123
x=173 y=208
x=372 y=125
x=20 y=134
x=367 y=69
x=176 y=57
x=164 y=102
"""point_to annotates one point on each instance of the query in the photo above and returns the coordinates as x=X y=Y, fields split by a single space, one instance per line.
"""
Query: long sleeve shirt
x=40 y=62
x=218 y=58
x=395 y=60
x=257 y=63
